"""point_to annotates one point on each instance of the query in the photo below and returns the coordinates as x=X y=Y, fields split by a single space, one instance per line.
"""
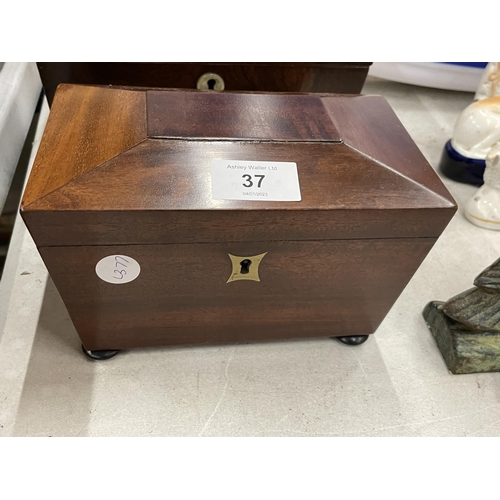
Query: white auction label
x=255 y=180
x=118 y=269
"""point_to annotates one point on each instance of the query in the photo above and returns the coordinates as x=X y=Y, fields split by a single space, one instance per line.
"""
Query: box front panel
x=203 y=293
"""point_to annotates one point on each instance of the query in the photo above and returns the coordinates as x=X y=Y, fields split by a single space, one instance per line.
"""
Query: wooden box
x=124 y=180
x=339 y=77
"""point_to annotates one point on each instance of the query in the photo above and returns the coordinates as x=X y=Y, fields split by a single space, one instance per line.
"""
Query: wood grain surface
x=164 y=188
x=202 y=115
x=368 y=124
x=86 y=127
x=307 y=289
x=176 y=175
x=59 y=228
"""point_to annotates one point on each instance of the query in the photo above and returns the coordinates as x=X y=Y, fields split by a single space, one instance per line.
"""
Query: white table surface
x=396 y=384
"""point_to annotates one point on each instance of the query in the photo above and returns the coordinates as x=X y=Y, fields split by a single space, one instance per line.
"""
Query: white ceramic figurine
x=490 y=82
x=476 y=131
x=483 y=209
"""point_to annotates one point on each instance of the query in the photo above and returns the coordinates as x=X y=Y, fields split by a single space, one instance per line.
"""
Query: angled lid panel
x=212 y=115
x=86 y=127
x=176 y=175
x=368 y=124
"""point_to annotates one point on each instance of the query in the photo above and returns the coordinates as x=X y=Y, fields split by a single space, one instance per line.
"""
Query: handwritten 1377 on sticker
x=255 y=180
x=118 y=269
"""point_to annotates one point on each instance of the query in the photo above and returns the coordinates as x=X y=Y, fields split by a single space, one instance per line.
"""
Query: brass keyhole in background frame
x=210 y=81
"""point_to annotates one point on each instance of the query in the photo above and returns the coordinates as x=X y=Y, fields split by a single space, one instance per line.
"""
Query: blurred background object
x=476 y=132
x=464 y=76
x=483 y=208
x=331 y=77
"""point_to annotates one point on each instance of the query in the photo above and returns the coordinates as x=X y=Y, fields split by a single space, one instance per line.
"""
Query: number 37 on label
x=249 y=182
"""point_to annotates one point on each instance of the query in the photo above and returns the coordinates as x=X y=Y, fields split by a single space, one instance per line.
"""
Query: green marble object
x=489 y=279
x=467 y=327
x=475 y=309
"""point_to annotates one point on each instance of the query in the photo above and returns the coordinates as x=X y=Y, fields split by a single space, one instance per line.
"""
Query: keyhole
x=210 y=81
x=245 y=264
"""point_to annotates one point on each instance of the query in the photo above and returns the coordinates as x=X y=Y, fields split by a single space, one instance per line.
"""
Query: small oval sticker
x=118 y=269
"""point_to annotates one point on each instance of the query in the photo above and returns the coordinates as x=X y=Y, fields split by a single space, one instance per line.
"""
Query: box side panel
x=193 y=226
x=181 y=296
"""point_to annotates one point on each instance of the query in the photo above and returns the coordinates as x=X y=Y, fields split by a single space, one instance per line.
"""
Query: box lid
x=122 y=166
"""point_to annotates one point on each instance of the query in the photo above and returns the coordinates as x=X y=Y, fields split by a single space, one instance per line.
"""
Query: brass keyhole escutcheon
x=210 y=81
x=245 y=268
